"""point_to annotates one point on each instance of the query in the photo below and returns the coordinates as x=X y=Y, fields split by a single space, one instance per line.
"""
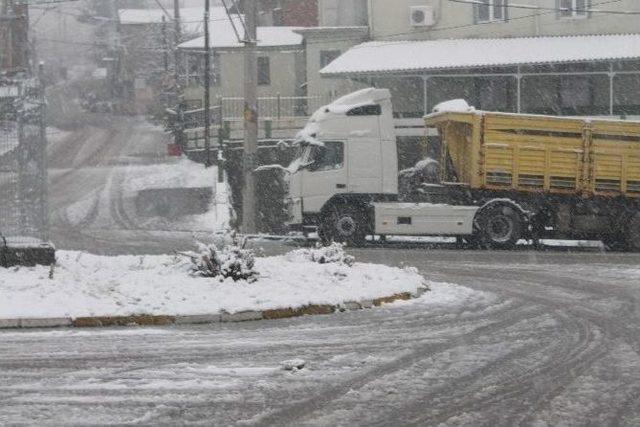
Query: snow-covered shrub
x=228 y=260
x=332 y=254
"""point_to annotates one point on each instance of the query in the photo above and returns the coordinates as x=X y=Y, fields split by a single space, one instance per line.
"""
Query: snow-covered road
x=93 y=172
x=535 y=339
x=532 y=338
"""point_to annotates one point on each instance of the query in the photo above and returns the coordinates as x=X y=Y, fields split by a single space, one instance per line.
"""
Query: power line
x=105 y=19
x=97 y=45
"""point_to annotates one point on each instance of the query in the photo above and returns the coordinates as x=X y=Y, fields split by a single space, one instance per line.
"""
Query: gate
x=23 y=175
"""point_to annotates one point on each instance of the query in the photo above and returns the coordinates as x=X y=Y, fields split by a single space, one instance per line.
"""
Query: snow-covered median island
x=89 y=285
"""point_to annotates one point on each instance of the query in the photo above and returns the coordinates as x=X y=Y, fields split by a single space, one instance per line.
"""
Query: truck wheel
x=633 y=233
x=344 y=225
x=500 y=227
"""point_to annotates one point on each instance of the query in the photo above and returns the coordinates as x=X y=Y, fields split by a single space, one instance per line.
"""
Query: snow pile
x=160 y=210
x=230 y=260
x=92 y=285
x=453 y=106
x=183 y=173
x=332 y=254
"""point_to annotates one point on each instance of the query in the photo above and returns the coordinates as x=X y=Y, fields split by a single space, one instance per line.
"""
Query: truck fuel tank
x=423 y=219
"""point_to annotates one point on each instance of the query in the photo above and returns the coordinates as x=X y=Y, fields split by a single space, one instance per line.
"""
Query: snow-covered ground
x=89 y=285
x=180 y=174
x=95 y=208
x=529 y=339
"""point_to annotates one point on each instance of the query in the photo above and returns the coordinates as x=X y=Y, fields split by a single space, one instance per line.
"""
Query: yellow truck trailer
x=574 y=177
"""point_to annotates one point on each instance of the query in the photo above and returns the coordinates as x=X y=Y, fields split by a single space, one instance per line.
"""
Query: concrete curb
x=224 y=317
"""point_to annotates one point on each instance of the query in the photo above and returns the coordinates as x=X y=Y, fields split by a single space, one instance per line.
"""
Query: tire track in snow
x=299 y=411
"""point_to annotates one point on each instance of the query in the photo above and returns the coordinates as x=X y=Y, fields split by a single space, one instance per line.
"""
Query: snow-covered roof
x=191 y=18
x=408 y=56
x=267 y=37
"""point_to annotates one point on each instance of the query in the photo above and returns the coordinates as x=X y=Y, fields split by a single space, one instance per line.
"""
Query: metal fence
x=274 y=107
x=23 y=175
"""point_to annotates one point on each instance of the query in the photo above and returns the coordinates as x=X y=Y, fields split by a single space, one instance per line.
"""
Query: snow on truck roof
x=406 y=56
x=358 y=98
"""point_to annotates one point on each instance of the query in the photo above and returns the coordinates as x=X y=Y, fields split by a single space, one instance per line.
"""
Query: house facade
x=565 y=57
x=498 y=18
x=280 y=71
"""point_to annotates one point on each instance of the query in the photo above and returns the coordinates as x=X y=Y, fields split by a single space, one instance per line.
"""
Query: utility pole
x=207 y=84
x=177 y=34
x=165 y=46
x=250 y=117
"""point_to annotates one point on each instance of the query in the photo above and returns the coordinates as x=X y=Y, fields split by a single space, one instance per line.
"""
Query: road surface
x=526 y=337
x=536 y=339
x=89 y=206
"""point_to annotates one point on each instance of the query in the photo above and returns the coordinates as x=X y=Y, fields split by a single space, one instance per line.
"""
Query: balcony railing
x=269 y=108
x=274 y=107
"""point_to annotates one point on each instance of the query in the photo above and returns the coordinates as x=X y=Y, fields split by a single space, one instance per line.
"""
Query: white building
x=537 y=56
x=280 y=70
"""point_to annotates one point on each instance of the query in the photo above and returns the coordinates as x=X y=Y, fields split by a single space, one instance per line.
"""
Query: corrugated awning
x=391 y=57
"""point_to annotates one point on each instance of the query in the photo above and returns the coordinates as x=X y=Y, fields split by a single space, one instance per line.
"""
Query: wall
x=390 y=20
x=283 y=73
x=286 y=69
x=300 y=13
x=344 y=13
x=328 y=87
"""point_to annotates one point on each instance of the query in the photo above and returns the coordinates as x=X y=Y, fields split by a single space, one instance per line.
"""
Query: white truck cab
x=344 y=180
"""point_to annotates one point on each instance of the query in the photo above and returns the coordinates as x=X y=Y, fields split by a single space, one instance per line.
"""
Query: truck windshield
x=327 y=157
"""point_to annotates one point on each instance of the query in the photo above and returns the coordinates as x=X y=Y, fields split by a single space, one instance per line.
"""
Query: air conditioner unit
x=421 y=16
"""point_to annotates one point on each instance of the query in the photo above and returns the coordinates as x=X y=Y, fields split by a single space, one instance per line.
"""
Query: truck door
x=324 y=176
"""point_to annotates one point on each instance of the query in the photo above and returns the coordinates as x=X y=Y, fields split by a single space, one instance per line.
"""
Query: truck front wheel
x=633 y=233
x=343 y=225
x=499 y=227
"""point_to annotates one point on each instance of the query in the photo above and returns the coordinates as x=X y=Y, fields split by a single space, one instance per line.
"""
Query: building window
x=573 y=8
x=490 y=11
x=327 y=57
x=195 y=69
x=264 y=71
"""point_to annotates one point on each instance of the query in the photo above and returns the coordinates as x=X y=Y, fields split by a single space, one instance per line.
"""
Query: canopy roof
x=421 y=56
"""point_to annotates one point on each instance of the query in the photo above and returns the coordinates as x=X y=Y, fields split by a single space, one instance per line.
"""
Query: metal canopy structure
x=607 y=64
